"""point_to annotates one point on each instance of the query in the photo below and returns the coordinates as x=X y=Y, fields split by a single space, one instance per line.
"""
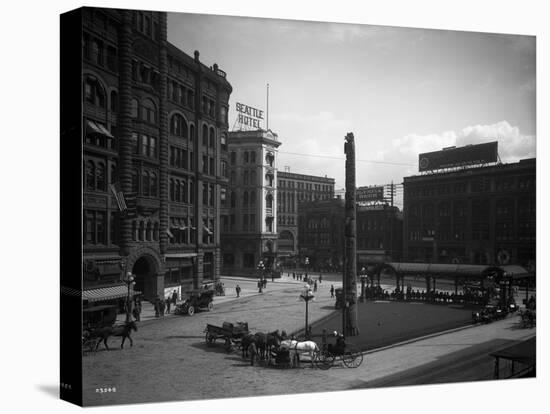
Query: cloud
x=512 y=144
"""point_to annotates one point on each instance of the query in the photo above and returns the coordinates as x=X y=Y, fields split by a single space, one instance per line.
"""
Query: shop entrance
x=145 y=277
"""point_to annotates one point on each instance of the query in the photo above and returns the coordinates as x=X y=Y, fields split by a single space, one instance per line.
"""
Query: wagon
x=198 y=299
x=229 y=332
x=351 y=356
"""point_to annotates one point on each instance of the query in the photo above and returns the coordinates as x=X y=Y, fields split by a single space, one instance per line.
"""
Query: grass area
x=387 y=323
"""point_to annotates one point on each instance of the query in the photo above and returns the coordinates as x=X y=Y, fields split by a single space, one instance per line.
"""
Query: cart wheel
x=191 y=310
x=323 y=360
x=352 y=358
x=210 y=306
x=209 y=338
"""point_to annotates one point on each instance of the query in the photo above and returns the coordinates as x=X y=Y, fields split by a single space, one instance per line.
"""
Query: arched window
x=172 y=190
x=100 y=177
x=141 y=234
x=135 y=181
x=149 y=111
x=204 y=135
x=245 y=177
x=177 y=192
x=269 y=201
x=212 y=139
x=135 y=108
x=94 y=93
x=245 y=157
x=149 y=233
x=114 y=101
x=146 y=183
x=245 y=199
x=154 y=184
x=178 y=126
x=90 y=175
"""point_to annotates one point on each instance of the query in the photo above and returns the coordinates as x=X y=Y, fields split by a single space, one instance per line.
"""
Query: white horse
x=296 y=348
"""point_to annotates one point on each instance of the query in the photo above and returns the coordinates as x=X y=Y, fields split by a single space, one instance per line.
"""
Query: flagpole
x=267 y=110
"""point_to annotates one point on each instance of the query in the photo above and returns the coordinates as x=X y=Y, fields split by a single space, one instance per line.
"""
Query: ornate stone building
x=155 y=128
x=249 y=213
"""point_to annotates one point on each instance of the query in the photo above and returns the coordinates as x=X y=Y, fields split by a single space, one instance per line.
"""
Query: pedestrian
x=320 y=278
x=135 y=313
x=315 y=286
x=259 y=286
x=238 y=290
x=272 y=277
x=252 y=351
x=331 y=291
x=157 y=307
x=161 y=307
x=293 y=275
x=265 y=283
x=174 y=297
x=168 y=303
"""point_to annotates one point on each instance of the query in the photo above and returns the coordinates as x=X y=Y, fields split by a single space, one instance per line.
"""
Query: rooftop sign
x=456 y=157
x=248 y=116
x=374 y=193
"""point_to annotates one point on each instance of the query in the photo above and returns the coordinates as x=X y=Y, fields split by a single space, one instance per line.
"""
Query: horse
x=266 y=342
x=297 y=348
x=246 y=341
x=120 y=330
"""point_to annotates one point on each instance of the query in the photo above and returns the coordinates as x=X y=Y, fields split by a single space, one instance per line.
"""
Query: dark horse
x=267 y=342
x=120 y=330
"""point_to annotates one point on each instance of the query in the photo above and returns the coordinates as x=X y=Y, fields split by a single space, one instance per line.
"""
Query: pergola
x=504 y=275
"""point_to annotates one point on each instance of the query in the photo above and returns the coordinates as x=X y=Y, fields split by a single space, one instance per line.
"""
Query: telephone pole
x=349 y=317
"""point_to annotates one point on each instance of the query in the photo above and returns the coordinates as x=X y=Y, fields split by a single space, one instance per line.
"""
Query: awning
x=107 y=293
x=97 y=128
x=516 y=272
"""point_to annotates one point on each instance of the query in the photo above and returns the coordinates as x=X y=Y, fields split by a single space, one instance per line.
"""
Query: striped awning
x=106 y=293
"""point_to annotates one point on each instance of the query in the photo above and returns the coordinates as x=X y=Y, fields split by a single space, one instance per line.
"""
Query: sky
x=401 y=91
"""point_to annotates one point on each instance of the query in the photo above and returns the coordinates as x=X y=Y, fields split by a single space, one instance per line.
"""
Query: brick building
x=483 y=215
x=155 y=125
x=293 y=189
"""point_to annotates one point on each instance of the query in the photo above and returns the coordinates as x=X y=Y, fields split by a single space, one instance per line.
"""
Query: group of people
x=434 y=296
x=163 y=306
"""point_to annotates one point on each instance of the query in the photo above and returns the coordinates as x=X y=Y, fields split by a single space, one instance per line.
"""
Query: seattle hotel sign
x=249 y=116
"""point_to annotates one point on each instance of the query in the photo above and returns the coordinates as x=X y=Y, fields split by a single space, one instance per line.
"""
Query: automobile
x=197 y=299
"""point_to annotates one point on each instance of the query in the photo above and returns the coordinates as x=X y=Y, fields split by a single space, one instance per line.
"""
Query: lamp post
x=306 y=262
x=306 y=296
x=363 y=276
x=261 y=268
x=129 y=280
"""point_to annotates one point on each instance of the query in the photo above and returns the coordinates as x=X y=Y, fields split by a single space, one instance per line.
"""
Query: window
x=212 y=166
x=97 y=52
x=112 y=58
x=233 y=199
x=245 y=177
x=94 y=93
x=233 y=158
x=211 y=196
x=204 y=135
x=114 y=102
x=245 y=199
x=253 y=157
x=90 y=176
x=212 y=138
x=149 y=111
x=135 y=181
x=205 y=164
x=245 y=157
x=223 y=141
x=146 y=185
x=204 y=194
x=135 y=106
x=253 y=198
x=223 y=166
x=95 y=227
x=191 y=192
x=100 y=177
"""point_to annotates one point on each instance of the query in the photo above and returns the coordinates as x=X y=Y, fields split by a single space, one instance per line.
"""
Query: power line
x=343 y=159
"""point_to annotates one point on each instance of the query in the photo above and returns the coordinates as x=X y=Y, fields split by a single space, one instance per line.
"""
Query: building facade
x=379 y=234
x=154 y=157
x=293 y=189
x=249 y=213
x=484 y=215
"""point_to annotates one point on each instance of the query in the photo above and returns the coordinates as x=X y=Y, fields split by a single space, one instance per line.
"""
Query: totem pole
x=349 y=318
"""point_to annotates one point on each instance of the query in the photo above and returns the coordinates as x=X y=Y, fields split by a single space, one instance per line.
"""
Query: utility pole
x=349 y=317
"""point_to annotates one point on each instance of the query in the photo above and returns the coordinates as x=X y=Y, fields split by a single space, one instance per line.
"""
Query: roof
x=524 y=352
x=458 y=269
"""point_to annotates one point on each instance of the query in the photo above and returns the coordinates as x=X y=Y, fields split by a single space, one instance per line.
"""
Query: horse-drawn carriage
x=348 y=354
x=198 y=299
x=229 y=332
x=99 y=325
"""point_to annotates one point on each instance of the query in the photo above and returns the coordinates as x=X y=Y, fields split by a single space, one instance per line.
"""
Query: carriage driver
x=340 y=345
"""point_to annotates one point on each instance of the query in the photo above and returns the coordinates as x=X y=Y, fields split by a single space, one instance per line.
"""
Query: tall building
x=155 y=127
x=483 y=215
x=293 y=189
x=249 y=215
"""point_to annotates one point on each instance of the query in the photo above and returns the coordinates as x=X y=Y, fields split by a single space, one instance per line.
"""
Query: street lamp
x=129 y=280
x=261 y=268
x=306 y=262
x=306 y=296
